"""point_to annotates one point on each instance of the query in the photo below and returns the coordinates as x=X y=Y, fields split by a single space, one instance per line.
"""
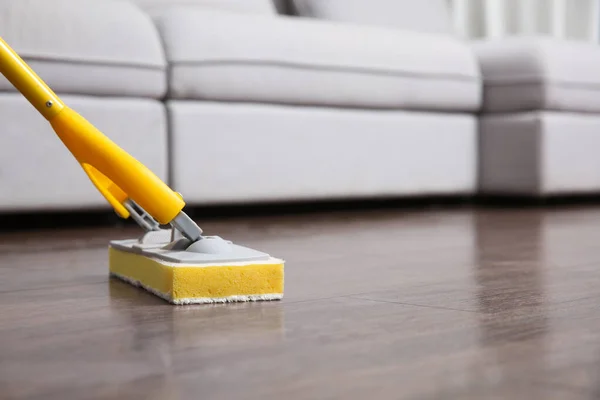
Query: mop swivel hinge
x=182 y=222
x=140 y=216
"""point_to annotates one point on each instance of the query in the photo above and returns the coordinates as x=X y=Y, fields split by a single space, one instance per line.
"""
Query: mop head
x=211 y=270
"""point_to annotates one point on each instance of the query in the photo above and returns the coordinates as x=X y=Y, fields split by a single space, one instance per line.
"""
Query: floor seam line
x=414 y=305
x=51 y=287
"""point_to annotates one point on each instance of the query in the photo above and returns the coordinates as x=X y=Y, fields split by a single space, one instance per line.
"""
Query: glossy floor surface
x=460 y=304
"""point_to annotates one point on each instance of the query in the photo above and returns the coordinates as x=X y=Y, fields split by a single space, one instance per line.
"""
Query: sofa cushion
x=227 y=57
x=539 y=74
x=425 y=16
x=244 y=153
x=38 y=173
x=92 y=47
x=244 y=6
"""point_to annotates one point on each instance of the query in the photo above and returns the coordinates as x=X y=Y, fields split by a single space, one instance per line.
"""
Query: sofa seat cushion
x=522 y=74
x=107 y=47
x=254 y=153
x=290 y=60
x=37 y=172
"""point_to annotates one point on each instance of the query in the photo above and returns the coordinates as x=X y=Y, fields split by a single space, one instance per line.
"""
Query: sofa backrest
x=417 y=15
x=244 y=6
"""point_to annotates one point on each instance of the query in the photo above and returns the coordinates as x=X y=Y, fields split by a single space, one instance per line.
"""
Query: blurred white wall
x=568 y=19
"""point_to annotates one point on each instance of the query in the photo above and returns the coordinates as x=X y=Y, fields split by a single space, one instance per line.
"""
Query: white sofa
x=232 y=102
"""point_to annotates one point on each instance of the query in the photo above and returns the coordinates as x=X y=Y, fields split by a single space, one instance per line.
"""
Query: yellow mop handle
x=115 y=173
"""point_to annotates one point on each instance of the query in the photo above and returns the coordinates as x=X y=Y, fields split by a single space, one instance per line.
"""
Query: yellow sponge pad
x=188 y=283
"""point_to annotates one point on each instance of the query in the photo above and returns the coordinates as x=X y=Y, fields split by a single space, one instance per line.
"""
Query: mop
x=177 y=263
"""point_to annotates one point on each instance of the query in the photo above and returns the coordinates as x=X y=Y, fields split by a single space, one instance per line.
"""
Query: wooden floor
x=460 y=304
